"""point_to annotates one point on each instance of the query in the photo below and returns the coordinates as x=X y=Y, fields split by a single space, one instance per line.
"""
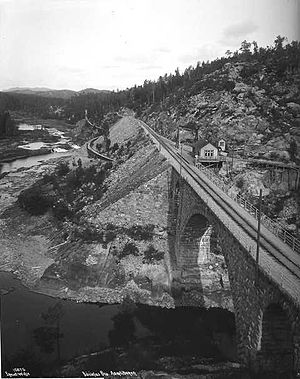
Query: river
x=30 y=161
x=28 y=339
x=38 y=159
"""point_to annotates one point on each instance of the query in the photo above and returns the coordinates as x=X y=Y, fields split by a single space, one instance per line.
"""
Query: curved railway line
x=275 y=247
x=95 y=154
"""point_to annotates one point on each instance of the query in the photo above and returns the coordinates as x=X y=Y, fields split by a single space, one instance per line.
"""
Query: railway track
x=94 y=153
x=273 y=246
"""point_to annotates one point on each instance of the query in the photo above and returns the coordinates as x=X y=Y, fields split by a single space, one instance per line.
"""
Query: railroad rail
x=271 y=243
x=95 y=154
x=91 y=124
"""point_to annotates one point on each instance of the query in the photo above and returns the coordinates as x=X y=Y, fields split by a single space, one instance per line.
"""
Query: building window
x=208 y=153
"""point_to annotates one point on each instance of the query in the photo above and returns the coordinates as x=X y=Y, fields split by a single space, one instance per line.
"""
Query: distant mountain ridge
x=33 y=89
x=93 y=90
x=54 y=93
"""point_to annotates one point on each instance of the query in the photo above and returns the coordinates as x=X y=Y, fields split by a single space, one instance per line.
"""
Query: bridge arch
x=276 y=347
x=201 y=266
x=191 y=246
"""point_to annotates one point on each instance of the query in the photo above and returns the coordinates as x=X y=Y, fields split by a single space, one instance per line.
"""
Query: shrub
x=111 y=226
x=74 y=179
x=141 y=232
x=240 y=183
x=273 y=155
x=151 y=255
x=248 y=71
x=109 y=236
x=33 y=201
x=228 y=85
x=48 y=178
x=129 y=249
x=120 y=150
x=99 y=177
x=92 y=235
x=108 y=166
x=293 y=150
x=89 y=174
x=107 y=144
x=61 y=210
x=62 y=169
x=114 y=147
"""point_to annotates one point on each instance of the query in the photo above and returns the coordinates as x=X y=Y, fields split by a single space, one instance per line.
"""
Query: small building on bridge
x=205 y=151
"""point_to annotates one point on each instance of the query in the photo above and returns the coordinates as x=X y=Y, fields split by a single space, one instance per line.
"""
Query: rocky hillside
x=107 y=239
x=253 y=102
x=258 y=114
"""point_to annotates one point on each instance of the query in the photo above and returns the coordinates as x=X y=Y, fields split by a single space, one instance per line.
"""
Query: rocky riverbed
x=35 y=137
x=28 y=158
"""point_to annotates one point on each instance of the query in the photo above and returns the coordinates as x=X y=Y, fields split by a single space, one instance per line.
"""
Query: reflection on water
x=34 y=145
x=23 y=313
x=24 y=126
x=38 y=159
x=43 y=333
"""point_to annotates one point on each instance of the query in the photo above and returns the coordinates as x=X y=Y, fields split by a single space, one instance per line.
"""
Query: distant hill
x=41 y=91
x=93 y=90
x=54 y=93
x=24 y=89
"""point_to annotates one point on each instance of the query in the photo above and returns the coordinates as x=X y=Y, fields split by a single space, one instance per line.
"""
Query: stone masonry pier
x=266 y=296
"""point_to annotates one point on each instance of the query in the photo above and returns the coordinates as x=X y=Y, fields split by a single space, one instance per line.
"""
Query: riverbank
x=22 y=238
x=35 y=137
x=28 y=246
x=24 y=251
x=10 y=148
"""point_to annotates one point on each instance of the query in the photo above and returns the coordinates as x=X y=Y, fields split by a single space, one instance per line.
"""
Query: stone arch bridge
x=265 y=294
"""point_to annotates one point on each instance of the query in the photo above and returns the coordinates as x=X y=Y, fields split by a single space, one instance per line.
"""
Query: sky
x=115 y=44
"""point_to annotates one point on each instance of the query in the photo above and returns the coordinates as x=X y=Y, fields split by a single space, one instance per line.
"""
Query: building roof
x=201 y=143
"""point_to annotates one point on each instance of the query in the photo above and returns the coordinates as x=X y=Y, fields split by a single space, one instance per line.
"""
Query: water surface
x=39 y=159
x=85 y=327
x=30 y=161
x=152 y=332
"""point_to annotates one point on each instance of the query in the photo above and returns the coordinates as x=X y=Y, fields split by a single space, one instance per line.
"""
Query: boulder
x=290 y=208
x=280 y=155
x=294 y=107
x=241 y=87
x=251 y=182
